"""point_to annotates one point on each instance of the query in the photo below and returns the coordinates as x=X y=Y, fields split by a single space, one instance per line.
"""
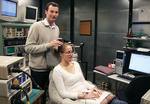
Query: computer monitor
x=10 y=50
x=8 y=10
x=139 y=62
x=27 y=13
x=31 y=13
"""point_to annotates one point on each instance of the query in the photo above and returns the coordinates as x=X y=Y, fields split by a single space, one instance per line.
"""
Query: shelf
x=137 y=38
x=18 y=37
x=140 y=22
x=15 y=24
x=130 y=48
x=95 y=71
x=137 y=49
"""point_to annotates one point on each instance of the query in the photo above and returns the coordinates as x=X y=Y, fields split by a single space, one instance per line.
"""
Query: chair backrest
x=137 y=88
x=54 y=97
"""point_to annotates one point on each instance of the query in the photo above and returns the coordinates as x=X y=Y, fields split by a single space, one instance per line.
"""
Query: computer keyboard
x=126 y=77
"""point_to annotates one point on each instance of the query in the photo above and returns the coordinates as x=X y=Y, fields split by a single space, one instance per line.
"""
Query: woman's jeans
x=117 y=101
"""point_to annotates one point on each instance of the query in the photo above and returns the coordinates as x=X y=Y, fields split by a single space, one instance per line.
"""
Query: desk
x=103 y=81
x=118 y=85
x=95 y=71
x=35 y=96
x=115 y=77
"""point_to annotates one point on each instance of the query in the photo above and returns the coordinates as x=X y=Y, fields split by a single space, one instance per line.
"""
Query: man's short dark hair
x=51 y=3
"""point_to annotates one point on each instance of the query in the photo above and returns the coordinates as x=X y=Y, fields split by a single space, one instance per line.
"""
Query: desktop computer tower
x=119 y=62
x=119 y=66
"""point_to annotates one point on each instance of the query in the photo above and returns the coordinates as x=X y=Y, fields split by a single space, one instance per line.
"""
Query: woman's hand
x=95 y=89
x=90 y=94
x=82 y=95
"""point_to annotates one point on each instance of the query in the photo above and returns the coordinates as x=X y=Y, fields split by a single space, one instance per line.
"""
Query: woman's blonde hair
x=61 y=48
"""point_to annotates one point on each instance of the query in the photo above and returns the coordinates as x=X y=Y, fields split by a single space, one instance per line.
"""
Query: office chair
x=137 y=88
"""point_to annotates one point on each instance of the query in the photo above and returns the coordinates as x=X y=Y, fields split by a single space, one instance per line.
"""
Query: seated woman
x=70 y=83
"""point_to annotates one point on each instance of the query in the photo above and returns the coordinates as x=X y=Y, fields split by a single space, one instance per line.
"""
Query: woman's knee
x=117 y=101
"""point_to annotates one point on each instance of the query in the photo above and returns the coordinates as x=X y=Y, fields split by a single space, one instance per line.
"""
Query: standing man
x=40 y=44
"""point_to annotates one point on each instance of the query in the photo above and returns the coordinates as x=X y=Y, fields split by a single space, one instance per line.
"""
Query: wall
x=64 y=19
x=85 y=10
x=29 y=2
x=141 y=13
x=112 y=27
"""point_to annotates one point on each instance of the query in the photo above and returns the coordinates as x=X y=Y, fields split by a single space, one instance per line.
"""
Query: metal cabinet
x=12 y=37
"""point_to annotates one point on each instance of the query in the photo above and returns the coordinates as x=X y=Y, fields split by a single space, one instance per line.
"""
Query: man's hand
x=55 y=43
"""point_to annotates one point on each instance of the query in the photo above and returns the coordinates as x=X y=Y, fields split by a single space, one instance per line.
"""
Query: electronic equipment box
x=19 y=78
x=119 y=62
x=8 y=63
x=14 y=50
x=27 y=86
x=146 y=98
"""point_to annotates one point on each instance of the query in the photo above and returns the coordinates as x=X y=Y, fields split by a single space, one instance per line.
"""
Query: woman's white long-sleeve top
x=69 y=85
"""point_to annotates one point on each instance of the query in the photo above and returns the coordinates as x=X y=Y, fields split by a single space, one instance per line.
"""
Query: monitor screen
x=9 y=8
x=10 y=50
x=119 y=54
x=140 y=62
x=30 y=13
